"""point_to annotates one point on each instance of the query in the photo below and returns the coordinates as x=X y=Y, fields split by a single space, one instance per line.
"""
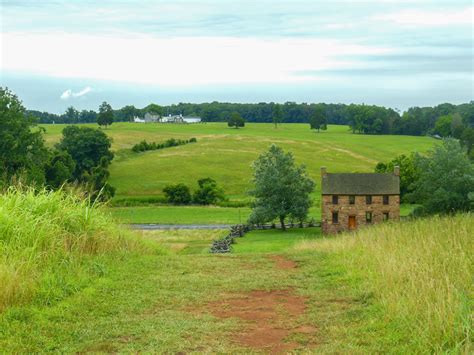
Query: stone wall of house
x=358 y=209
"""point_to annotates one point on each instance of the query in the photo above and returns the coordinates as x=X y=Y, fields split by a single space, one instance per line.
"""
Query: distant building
x=180 y=119
x=149 y=117
x=352 y=200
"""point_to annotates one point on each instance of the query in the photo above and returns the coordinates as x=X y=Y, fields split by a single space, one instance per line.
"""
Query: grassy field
x=226 y=154
x=200 y=214
x=392 y=288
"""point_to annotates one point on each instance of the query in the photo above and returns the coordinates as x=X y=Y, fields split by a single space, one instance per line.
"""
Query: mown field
x=82 y=285
x=226 y=154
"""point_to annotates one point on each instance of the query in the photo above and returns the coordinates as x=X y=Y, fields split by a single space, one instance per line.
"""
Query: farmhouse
x=149 y=118
x=180 y=119
x=352 y=200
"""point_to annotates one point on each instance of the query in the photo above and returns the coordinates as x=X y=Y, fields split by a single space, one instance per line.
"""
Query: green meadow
x=226 y=155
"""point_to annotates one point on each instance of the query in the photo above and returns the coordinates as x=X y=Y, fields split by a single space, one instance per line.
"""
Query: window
x=352 y=199
x=368 y=200
x=335 y=217
x=368 y=217
x=335 y=199
x=385 y=216
x=385 y=199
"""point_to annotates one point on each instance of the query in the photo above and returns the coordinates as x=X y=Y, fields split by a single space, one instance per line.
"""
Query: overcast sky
x=55 y=53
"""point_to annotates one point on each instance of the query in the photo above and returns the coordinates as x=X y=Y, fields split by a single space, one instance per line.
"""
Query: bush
x=178 y=194
x=208 y=192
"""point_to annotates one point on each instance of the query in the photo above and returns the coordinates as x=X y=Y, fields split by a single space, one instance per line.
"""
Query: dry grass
x=420 y=271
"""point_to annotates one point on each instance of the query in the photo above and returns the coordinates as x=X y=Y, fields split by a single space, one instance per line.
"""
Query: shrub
x=178 y=194
x=208 y=192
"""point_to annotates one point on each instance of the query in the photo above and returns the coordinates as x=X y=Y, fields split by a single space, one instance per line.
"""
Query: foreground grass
x=158 y=304
x=51 y=245
x=226 y=154
x=420 y=272
x=389 y=289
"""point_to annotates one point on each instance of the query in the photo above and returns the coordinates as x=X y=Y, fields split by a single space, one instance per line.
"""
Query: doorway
x=352 y=222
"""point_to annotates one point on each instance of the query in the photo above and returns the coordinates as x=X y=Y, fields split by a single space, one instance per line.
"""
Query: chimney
x=396 y=170
x=323 y=171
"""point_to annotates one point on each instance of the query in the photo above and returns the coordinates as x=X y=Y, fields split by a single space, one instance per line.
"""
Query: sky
x=56 y=53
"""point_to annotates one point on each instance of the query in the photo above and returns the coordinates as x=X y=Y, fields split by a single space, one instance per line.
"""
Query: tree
x=443 y=126
x=88 y=116
x=96 y=182
x=277 y=115
x=59 y=169
x=153 y=109
x=446 y=182
x=87 y=147
x=208 y=192
x=457 y=126
x=106 y=115
x=281 y=189
x=22 y=149
x=235 y=120
x=318 y=119
x=467 y=141
x=71 y=115
x=178 y=194
x=129 y=112
x=408 y=172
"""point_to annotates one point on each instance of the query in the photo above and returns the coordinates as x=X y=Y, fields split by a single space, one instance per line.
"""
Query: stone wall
x=358 y=209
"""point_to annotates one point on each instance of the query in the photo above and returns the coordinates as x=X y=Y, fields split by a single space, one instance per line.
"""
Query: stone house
x=349 y=201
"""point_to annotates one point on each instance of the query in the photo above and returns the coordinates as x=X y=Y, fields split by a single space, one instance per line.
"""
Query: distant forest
x=444 y=119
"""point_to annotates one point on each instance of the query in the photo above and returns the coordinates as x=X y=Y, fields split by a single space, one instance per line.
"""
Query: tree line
x=367 y=119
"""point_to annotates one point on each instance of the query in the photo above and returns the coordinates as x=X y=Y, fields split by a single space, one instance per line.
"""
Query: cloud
x=429 y=18
x=68 y=94
x=183 y=61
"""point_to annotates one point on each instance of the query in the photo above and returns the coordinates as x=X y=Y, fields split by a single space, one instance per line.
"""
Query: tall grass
x=51 y=244
x=422 y=274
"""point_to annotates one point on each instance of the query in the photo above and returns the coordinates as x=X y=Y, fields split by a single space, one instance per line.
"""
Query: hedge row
x=172 y=142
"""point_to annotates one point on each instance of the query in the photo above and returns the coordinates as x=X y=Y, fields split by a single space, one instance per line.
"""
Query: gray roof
x=360 y=184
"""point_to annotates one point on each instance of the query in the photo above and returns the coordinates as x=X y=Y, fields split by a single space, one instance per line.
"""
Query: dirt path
x=283 y=263
x=272 y=321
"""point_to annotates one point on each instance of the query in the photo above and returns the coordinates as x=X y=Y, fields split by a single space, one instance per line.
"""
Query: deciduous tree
x=318 y=119
x=106 y=115
x=235 y=120
x=282 y=189
x=87 y=147
x=22 y=149
x=446 y=183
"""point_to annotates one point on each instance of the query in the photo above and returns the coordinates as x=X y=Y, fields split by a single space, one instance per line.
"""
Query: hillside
x=226 y=154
